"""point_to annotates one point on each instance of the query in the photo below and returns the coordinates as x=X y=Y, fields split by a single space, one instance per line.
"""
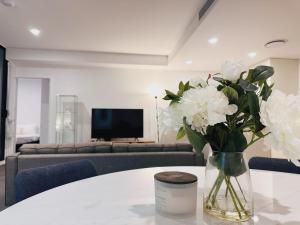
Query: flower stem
x=236 y=201
x=213 y=188
x=218 y=186
x=235 y=194
x=233 y=198
x=226 y=193
x=255 y=140
x=240 y=188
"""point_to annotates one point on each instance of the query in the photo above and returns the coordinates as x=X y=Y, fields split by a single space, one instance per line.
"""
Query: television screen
x=117 y=123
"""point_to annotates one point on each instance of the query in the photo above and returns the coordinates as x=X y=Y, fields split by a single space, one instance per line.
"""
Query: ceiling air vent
x=276 y=43
x=205 y=8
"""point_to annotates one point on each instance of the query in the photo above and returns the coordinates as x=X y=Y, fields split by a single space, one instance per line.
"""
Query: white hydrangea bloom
x=212 y=82
x=232 y=70
x=205 y=106
x=198 y=80
x=280 y=115
x=171 y=118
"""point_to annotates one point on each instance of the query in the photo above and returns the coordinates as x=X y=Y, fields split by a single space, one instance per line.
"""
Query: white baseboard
x=2 y=162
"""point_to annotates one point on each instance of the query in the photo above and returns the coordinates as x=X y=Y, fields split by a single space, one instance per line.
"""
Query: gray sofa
x=106 y=157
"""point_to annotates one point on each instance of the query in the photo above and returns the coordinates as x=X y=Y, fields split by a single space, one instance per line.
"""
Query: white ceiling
x=243 y=26
x=123 y=26
x=155 y=27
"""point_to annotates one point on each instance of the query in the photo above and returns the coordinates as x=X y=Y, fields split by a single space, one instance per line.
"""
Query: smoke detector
x=8 y=3
x=276 y=43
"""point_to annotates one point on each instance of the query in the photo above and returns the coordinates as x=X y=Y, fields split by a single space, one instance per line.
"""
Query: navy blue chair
x=272 y=164
x=30 y=182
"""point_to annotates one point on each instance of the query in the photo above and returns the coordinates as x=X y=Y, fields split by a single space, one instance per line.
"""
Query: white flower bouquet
x=220 y=113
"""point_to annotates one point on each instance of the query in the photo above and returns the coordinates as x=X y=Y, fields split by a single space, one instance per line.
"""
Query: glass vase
x=228 y=188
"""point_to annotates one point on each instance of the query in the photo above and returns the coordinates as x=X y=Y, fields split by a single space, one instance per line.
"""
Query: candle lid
x=174 y=177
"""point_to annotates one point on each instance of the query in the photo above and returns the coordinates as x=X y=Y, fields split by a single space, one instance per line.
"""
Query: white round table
x=127 y=198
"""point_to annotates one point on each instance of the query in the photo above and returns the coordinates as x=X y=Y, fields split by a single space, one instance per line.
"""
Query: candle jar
x=175 y=193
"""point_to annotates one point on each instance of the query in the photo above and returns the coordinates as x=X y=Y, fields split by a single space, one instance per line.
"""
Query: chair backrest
x=273 y=164
x=30 y=182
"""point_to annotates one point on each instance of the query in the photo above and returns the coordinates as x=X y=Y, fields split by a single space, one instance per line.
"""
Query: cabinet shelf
x=66 y=119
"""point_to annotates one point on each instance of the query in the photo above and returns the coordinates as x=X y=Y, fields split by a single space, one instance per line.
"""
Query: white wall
x=299 y=76
x=106 y=87
x=29 y=102
x=286 y=77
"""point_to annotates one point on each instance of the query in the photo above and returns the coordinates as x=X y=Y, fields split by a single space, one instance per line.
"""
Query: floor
x=2 y=187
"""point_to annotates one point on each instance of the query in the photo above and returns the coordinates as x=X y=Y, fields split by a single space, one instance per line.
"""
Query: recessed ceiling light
x=213 y=40
x=276 y=43
x=252 y=55
x=35 y=31
x=188 y=62
x=8 y=3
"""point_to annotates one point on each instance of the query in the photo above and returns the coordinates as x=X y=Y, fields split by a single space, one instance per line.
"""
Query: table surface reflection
x=128 y=198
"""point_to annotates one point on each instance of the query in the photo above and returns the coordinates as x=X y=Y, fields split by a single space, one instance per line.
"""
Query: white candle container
x=175 y=193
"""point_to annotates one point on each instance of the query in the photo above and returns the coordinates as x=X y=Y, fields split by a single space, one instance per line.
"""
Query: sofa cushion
x=145 y=148
x=46 y=148
x=184 y=147
x=28 y=149
x=119 y=147
x=170 y=148
x=102 y=147
x=85 y=148
x=66 y=149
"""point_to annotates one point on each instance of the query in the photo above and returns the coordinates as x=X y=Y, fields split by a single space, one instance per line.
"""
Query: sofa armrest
x=11 y=170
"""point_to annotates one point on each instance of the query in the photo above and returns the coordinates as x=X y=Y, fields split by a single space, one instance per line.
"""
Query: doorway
x=32 y=111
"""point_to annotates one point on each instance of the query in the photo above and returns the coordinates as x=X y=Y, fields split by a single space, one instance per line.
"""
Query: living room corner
x=149 y=112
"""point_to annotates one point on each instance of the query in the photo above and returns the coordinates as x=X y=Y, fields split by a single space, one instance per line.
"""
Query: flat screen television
x=117 y=123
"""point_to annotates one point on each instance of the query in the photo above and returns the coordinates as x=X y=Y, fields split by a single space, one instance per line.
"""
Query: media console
x=128 y=141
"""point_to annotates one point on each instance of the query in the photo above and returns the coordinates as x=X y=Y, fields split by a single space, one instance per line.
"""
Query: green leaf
x=262 y=73
x=187 y=86
x=254 y=110
x=222 y=81
x=247 y=86
x=171 y=94
x=220 y=87
x=196 y=139
x=219 y=79
x=250 y=76
x=181 y=86
x=253 y=103
x=232 y=164
x=238 y=89
x=231 y=93
x=243 y=104
x=259 y=134
x=180 y=133
x=236 y=142
x=266 y=91
x=242 y=74
x=217 y=136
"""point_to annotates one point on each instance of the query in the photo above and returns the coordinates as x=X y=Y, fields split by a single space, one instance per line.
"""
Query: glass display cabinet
x=66 y=119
